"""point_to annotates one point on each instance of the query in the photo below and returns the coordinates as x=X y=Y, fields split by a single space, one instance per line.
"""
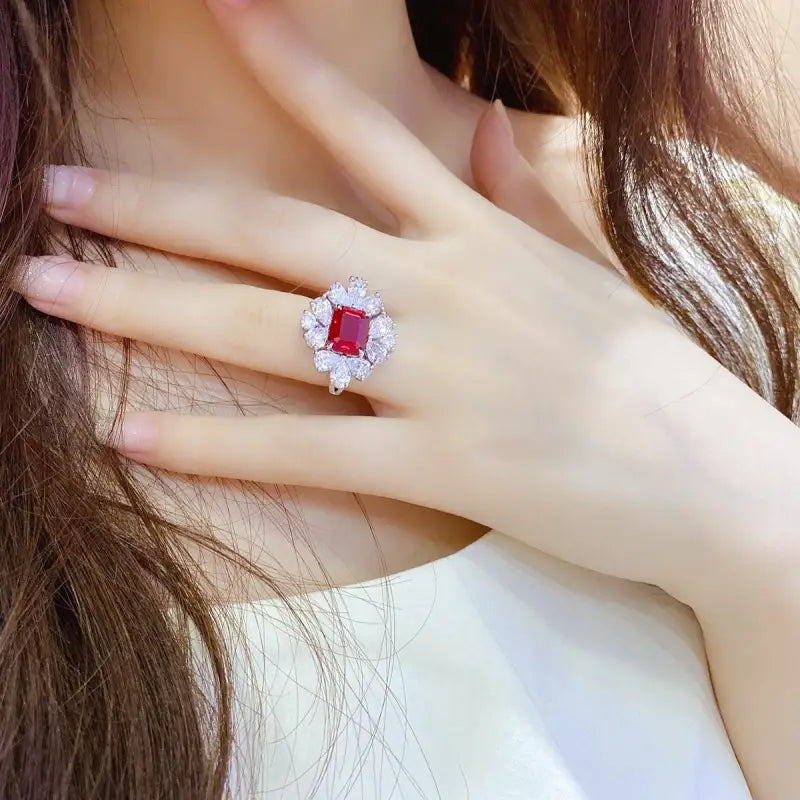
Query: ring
x=349 y=331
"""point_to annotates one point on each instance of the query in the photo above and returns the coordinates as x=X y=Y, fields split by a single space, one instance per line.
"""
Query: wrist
x=744 y=462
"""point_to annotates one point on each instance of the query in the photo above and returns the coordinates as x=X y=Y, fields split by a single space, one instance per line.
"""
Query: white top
x=497 y=673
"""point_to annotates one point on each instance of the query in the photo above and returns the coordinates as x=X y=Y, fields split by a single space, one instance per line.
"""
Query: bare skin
x=164 y=98
x=730 y=544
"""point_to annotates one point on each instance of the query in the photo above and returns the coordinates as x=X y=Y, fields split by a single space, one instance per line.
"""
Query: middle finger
x=285 y=238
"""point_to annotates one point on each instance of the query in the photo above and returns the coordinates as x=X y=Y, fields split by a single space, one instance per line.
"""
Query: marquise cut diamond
x=380 y=327
x=372 y=305
x=389 y=341
x=357 y=287
x=377 y=351
x=309 y=321
x=340 y=376
x=322 y=310
x=359 y=368
x=316 y=337
x=326 y=360
x=338 y=295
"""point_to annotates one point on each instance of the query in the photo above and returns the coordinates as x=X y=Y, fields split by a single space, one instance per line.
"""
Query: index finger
x=364 y=138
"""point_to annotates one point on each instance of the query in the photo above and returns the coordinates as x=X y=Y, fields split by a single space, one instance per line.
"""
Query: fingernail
x=234 y=3
x=137 y=436
x=68 y=187
x=52 y=279
x=502 y=114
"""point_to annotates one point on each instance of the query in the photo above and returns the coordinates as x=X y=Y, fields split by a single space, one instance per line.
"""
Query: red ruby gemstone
x=349 y=331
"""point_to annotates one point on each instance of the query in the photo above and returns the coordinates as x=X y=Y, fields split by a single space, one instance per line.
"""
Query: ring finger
x=242 y=325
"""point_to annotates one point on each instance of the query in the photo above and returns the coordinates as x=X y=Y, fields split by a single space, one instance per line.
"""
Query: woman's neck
x=165 y=94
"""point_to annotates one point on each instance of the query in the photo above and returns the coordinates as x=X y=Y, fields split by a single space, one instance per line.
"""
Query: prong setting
x=349 y=331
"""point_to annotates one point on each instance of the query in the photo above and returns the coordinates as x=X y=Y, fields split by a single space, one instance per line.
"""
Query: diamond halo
x=349 y=331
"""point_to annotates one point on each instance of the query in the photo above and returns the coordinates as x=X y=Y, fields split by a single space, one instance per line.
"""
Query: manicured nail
x=137 y=437
x=52 y=279
x=500 y=109
x=234 y=3
x=68 y=187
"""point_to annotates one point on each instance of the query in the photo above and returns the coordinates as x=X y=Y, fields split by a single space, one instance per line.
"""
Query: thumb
x=501 y=173
x=504 y=177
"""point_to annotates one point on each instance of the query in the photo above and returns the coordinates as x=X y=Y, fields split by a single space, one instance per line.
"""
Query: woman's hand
x=527 y=384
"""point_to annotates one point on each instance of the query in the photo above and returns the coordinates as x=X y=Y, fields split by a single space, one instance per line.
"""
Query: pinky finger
x=349 y=454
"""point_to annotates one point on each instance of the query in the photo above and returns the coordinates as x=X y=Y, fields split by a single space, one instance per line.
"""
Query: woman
x=532 y=391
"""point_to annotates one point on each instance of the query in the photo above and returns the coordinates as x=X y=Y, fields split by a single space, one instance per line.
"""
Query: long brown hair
x=97 y=592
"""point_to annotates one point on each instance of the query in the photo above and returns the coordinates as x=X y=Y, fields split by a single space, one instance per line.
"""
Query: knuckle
x=246 y=224
x=103 y=302
x=260 y=227
x=253 y=321
x=123 y=207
